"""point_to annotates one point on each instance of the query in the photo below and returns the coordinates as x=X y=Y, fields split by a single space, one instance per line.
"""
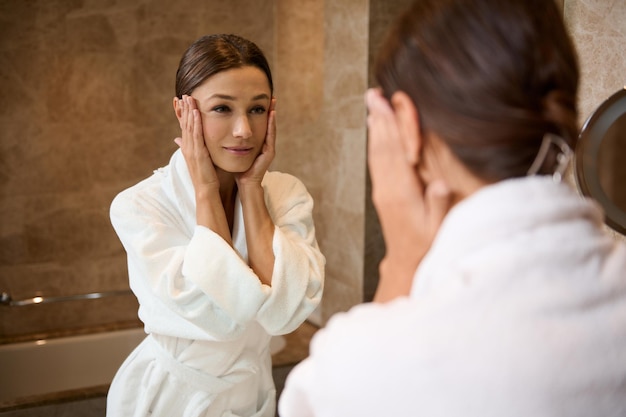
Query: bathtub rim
x=78 y=331
x=67 y=394
x=54 y=398
x=292 y=351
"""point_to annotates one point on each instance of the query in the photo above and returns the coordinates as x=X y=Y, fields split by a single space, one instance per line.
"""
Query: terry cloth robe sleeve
x=190 y=283
x=298 y=276
x=156 y=245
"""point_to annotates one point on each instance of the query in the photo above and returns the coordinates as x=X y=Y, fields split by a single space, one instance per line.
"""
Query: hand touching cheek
x=410 y=211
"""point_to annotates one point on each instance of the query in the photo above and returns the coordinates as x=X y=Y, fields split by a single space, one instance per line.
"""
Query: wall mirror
x=599 y=168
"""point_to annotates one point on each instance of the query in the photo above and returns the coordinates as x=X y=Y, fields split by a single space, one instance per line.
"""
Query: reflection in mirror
x=599 y=172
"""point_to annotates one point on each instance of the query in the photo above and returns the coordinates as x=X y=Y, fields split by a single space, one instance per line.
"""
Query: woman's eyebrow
x=222 y=96
x=262 y=96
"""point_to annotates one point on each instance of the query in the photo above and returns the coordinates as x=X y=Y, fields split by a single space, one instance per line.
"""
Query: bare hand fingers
x=189 y=120
x=270 y=137
x=383 y=130
x=184 y=123
x=273 y=104
x=198 y=135
x=386 y=153
x=191 y=126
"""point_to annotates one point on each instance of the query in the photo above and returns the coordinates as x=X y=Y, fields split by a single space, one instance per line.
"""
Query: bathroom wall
x=321 y=67
x=599 y=31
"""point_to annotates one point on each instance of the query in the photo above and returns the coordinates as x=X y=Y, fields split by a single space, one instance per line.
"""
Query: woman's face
x=234 y=106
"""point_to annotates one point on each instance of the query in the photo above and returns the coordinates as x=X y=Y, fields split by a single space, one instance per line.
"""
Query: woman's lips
x=238 y=150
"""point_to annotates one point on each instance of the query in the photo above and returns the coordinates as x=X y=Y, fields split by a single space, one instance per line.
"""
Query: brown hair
x=215 y=53
x=490 y=77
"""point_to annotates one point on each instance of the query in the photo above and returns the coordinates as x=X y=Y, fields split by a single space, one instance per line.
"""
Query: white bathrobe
x=518 y=310
x=208 y=317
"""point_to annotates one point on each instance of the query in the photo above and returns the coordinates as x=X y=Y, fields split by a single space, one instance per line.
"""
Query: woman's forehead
x=246 y=83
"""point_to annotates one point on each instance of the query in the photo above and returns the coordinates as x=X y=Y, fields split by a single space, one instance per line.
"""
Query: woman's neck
x=439 y=162
x=228 y=192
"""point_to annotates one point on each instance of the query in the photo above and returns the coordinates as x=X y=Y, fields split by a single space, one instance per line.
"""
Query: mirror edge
x=585 y=161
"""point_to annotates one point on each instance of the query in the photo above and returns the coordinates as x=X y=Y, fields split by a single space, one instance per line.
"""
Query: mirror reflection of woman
x=221 y=252
x=500 y=294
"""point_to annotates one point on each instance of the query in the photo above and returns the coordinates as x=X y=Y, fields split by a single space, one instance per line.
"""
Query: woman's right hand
x=209 y=209
x=193 y=147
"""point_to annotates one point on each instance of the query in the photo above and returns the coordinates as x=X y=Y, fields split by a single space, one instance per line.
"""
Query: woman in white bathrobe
x=222 y=254
x=500 y=293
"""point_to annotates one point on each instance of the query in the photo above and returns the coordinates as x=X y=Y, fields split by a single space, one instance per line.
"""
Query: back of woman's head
x=490 y=77
x=215 y=53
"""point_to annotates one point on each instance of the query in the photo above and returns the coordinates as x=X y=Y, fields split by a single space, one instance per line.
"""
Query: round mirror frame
x=587 y=152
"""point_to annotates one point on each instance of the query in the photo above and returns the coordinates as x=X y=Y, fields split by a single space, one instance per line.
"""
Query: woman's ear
x=408 y=124
x=178 y=109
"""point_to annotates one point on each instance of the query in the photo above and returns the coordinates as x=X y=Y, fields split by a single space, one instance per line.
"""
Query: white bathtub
x=45 y=367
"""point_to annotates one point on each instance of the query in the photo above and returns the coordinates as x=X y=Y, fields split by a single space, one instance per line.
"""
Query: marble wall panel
x=321 y=77
x=599 y=32
x=346 y=57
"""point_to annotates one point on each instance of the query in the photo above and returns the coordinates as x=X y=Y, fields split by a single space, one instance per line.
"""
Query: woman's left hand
x=261 y=164
x=257 y=220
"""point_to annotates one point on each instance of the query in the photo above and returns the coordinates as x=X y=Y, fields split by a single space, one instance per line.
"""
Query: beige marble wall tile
x=599 y=32
x=321 y=76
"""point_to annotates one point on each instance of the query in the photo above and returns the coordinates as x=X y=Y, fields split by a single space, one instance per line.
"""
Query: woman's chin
x=238 y=168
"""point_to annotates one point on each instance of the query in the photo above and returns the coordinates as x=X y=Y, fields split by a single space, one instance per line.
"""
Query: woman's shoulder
x=281 y=179
x=281 y=185
x=146 y=192
x=284 y=193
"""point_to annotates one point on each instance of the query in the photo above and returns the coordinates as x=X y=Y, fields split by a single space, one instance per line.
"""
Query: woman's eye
x=221 y=109
x=258 y=110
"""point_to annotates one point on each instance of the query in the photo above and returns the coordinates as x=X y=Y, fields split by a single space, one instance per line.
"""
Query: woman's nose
x=242 y=128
